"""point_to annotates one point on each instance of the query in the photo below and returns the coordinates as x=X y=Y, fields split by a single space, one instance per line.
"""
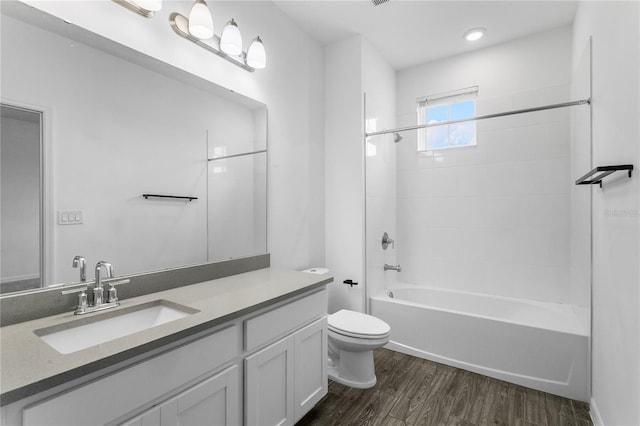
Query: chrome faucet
x=98 y=290
x=81 y=262
x=100 y=302
x=392 y=268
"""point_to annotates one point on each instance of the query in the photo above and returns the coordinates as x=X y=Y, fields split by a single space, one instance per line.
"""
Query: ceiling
x=412 y=32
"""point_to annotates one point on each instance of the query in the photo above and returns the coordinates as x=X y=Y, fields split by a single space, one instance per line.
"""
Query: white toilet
x=353 y=336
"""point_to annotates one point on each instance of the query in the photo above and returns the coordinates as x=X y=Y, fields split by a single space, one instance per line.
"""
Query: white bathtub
x=539 y=345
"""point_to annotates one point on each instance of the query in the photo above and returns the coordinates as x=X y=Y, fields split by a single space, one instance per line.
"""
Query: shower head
x=397 y=137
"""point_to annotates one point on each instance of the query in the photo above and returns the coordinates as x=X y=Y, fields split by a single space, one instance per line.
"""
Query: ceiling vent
x=378 y=2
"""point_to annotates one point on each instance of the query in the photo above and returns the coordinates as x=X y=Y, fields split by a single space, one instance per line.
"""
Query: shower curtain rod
x=481 y=117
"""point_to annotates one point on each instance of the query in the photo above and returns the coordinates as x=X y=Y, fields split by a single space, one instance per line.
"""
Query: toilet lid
x=353 y=323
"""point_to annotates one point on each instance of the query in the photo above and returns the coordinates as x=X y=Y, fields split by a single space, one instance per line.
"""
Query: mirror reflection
x=20 y=198
x=117 y=125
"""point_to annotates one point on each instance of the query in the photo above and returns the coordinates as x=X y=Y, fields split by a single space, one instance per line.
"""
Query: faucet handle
x=386 y=241
x=119 y=282
x=75 y=290
x=113 y=293
x=81 y=308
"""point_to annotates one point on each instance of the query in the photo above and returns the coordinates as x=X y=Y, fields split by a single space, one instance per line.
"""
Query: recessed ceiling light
x=474 y=34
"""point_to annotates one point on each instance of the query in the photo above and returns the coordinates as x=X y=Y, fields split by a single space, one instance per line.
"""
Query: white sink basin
x=91 y=331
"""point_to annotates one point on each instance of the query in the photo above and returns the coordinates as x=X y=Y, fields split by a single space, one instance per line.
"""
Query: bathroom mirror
x=116 y=125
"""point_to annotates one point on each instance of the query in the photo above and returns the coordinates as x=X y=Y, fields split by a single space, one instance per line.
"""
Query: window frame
x=449 y=99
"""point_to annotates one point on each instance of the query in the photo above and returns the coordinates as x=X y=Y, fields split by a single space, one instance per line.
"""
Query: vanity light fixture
x=474 y=34
x=146 y=8
x=228 y=47
x=200 y=21
x=256 y=55
x=231 y=39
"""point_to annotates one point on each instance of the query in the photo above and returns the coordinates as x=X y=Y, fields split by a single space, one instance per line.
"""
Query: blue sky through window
x=438 y=113
x=461 y=110
x=452 y=135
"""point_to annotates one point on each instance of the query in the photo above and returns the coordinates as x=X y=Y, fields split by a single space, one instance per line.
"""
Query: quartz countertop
x=28 y=365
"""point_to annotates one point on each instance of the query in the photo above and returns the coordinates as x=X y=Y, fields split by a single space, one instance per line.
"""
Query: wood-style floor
x=414 y=391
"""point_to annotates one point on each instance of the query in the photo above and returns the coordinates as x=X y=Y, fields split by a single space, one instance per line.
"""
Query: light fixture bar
x=132 y=6
x=180 y=25
x=481 y=117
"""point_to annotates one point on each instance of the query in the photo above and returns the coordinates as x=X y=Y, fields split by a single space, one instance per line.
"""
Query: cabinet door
x=212 y=402
x=311 y=382
x=269 y=385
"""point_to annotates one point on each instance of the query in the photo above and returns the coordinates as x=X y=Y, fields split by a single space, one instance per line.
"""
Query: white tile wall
x=493 y=218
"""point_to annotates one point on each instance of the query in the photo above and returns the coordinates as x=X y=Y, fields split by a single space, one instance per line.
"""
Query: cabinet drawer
x=125 y=391
x=269 y=326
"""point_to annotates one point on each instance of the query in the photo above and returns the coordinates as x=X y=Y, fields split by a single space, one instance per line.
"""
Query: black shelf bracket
x=603 y=172
x=178 y=197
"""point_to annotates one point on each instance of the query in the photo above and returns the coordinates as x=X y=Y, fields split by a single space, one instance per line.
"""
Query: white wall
x=354 y=67
x=20 y=200
x=292 y=86
x=344 y=172
x=616 y=221
x=492 y=218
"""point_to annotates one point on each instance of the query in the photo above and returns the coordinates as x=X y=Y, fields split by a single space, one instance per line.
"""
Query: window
x=457 y=105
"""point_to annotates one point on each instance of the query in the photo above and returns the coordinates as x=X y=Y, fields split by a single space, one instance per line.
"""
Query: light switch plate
x=69 y=217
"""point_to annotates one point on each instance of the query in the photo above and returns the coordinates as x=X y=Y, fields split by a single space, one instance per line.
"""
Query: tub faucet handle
x=386 y=241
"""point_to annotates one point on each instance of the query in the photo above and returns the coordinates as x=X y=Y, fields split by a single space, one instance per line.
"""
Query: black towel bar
x=146 y=196
x=604 y=171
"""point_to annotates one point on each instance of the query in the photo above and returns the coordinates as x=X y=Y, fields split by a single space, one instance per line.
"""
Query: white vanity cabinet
x=287 y=378
x=310 y=380
x=153 y=381
x=269 y=387
x=261 y=368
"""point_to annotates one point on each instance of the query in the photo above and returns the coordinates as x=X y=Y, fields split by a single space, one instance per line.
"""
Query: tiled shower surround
x=493 y=218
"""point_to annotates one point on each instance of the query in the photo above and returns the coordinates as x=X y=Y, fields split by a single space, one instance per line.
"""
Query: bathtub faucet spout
x=392 y=268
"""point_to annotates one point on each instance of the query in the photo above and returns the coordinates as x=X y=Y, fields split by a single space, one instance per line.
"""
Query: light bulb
x=200 y=21
x=151 y=5
x=231 y=39
x=256 y=55
x=474 y=34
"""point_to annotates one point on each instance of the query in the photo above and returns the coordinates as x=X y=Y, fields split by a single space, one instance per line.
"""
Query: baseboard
x=595 y=414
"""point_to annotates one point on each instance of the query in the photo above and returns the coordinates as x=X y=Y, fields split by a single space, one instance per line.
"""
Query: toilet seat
x=358 y=325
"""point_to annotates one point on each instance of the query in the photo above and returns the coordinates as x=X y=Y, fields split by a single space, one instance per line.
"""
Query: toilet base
x=353 y=369
x=334 y=375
